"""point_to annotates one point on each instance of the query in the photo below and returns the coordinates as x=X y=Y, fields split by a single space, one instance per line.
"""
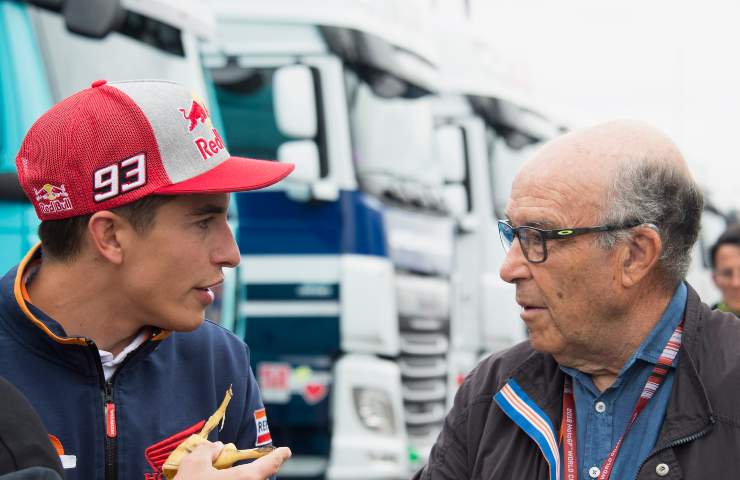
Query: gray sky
x=671 y=63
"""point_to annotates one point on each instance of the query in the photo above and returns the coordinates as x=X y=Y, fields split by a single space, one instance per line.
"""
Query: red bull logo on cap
x=53 y=199
x=209 y=148
x=197 y=113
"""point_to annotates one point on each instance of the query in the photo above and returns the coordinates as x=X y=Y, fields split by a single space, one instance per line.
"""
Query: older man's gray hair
x=663 y=195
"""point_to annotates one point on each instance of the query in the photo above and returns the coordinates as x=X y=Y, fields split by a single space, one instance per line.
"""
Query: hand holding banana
x=198 y=465
x=196 y=455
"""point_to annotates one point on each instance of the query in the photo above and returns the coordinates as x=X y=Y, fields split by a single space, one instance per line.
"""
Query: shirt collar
x=652 y=347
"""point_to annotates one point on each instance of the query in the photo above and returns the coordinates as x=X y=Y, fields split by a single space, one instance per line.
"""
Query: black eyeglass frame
x=557 y=234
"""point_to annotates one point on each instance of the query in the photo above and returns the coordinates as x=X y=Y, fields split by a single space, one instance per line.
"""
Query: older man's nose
x=515 y=266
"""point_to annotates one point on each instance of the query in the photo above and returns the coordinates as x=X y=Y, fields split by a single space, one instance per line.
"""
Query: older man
x=626 y=373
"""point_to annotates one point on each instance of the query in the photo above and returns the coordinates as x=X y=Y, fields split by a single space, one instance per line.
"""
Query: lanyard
x=568 y=425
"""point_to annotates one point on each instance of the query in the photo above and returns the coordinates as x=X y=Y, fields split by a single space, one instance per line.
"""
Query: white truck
x=484 y=123
x=366 y=271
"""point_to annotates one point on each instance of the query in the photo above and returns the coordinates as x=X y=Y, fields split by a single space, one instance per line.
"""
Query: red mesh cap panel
x=98 y=129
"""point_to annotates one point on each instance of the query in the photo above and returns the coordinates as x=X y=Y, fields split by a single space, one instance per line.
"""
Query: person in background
x=102 y=324
x=23 y=441
x=725 y=257
x=626 y=373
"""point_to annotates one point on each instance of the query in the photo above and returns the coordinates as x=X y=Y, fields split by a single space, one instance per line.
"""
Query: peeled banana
x=228 y=456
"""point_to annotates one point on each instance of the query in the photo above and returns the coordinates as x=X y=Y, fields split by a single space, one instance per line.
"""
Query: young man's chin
x=183 y=323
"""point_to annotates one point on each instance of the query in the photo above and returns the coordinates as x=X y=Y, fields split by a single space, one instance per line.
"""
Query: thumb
x=199 y=459
x=264 y=467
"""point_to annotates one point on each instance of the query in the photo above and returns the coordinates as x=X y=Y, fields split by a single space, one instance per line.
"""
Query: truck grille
x=423 y=305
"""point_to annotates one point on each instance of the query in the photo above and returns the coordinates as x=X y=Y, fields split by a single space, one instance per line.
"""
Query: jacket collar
x=36 y=330
x=689 y=409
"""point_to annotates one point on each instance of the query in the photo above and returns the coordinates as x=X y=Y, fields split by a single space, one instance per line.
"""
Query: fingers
x=199 y=460
x=261 y=468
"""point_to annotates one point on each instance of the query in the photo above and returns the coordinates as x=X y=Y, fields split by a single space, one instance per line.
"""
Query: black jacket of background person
x=699 y=439
x=23 y=441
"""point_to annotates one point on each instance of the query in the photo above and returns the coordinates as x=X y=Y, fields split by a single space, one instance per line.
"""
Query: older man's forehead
x=550 y=193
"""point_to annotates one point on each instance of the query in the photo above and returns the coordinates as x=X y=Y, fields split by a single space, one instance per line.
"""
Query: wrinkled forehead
x=561 y=185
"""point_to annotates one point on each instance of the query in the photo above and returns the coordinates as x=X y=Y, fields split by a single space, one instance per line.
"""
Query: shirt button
x=594 y=472
x=662 y=469
x=600 y=407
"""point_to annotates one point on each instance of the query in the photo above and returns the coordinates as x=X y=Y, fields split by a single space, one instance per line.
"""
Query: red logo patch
x=157 y=454
x=263 y=429
x=53 y=199
x=197 y=113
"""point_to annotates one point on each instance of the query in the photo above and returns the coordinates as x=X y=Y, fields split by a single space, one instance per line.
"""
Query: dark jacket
x=23 y=439
x=699 y=439
x=165 y=387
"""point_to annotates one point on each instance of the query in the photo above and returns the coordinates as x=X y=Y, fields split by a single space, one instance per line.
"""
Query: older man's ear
x=639 y=255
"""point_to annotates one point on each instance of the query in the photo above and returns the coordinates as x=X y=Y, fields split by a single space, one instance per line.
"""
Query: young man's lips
x=210 y=286
x=205 y=295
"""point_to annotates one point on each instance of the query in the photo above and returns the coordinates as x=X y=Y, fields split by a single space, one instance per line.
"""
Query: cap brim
x=236 y=174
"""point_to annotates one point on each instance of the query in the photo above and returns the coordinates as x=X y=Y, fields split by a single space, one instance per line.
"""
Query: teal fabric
x=24 y=96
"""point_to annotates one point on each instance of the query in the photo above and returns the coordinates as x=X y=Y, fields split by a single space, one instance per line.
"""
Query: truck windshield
x=505 y=162
x=393 y=145
x=147 y=48
x=245 y=97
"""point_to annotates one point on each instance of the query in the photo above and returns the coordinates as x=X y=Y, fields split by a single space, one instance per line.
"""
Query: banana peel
x=228 y=456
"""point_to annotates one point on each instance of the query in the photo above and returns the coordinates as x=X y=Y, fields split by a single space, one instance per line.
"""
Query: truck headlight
x=375 y=410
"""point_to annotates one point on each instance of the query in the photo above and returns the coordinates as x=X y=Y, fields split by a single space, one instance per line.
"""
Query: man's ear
x=108 y=235
x=640 y=254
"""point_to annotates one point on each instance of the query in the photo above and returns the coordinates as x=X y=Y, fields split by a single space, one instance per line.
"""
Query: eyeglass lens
x=532 y=242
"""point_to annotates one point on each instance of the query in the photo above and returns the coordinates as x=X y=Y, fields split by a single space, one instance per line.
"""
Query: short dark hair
x=62 y=239
x=731 y=236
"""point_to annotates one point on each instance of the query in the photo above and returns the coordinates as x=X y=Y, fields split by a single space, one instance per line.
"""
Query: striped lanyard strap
x=568 y=424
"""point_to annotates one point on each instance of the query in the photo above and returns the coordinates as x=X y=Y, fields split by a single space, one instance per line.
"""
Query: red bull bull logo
x=51 y=198
x=197 y=113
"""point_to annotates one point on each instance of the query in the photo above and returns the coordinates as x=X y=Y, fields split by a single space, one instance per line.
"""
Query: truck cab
x=486 y=122
x=52 y=49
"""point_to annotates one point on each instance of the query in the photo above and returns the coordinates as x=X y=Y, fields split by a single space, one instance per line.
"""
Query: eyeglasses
x=534 y=240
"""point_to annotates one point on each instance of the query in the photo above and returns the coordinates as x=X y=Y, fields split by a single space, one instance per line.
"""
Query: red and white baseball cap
x=117 y=142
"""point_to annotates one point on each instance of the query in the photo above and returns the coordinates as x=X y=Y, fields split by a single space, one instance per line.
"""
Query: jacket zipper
x=109 y=412
x=111 y=432
x=676 y=443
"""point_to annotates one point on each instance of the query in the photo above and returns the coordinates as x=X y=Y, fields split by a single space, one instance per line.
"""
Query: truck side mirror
x=93 y=18
x=295 y=101
x=305 y=156
x=456 y=199
x=451 y=152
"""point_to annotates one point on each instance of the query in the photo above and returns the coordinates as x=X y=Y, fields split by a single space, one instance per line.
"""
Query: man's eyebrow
x=207 y=209
x=542 y=224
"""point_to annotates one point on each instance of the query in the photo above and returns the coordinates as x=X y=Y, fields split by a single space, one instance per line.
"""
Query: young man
x=725 y=255
x=102 y=325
